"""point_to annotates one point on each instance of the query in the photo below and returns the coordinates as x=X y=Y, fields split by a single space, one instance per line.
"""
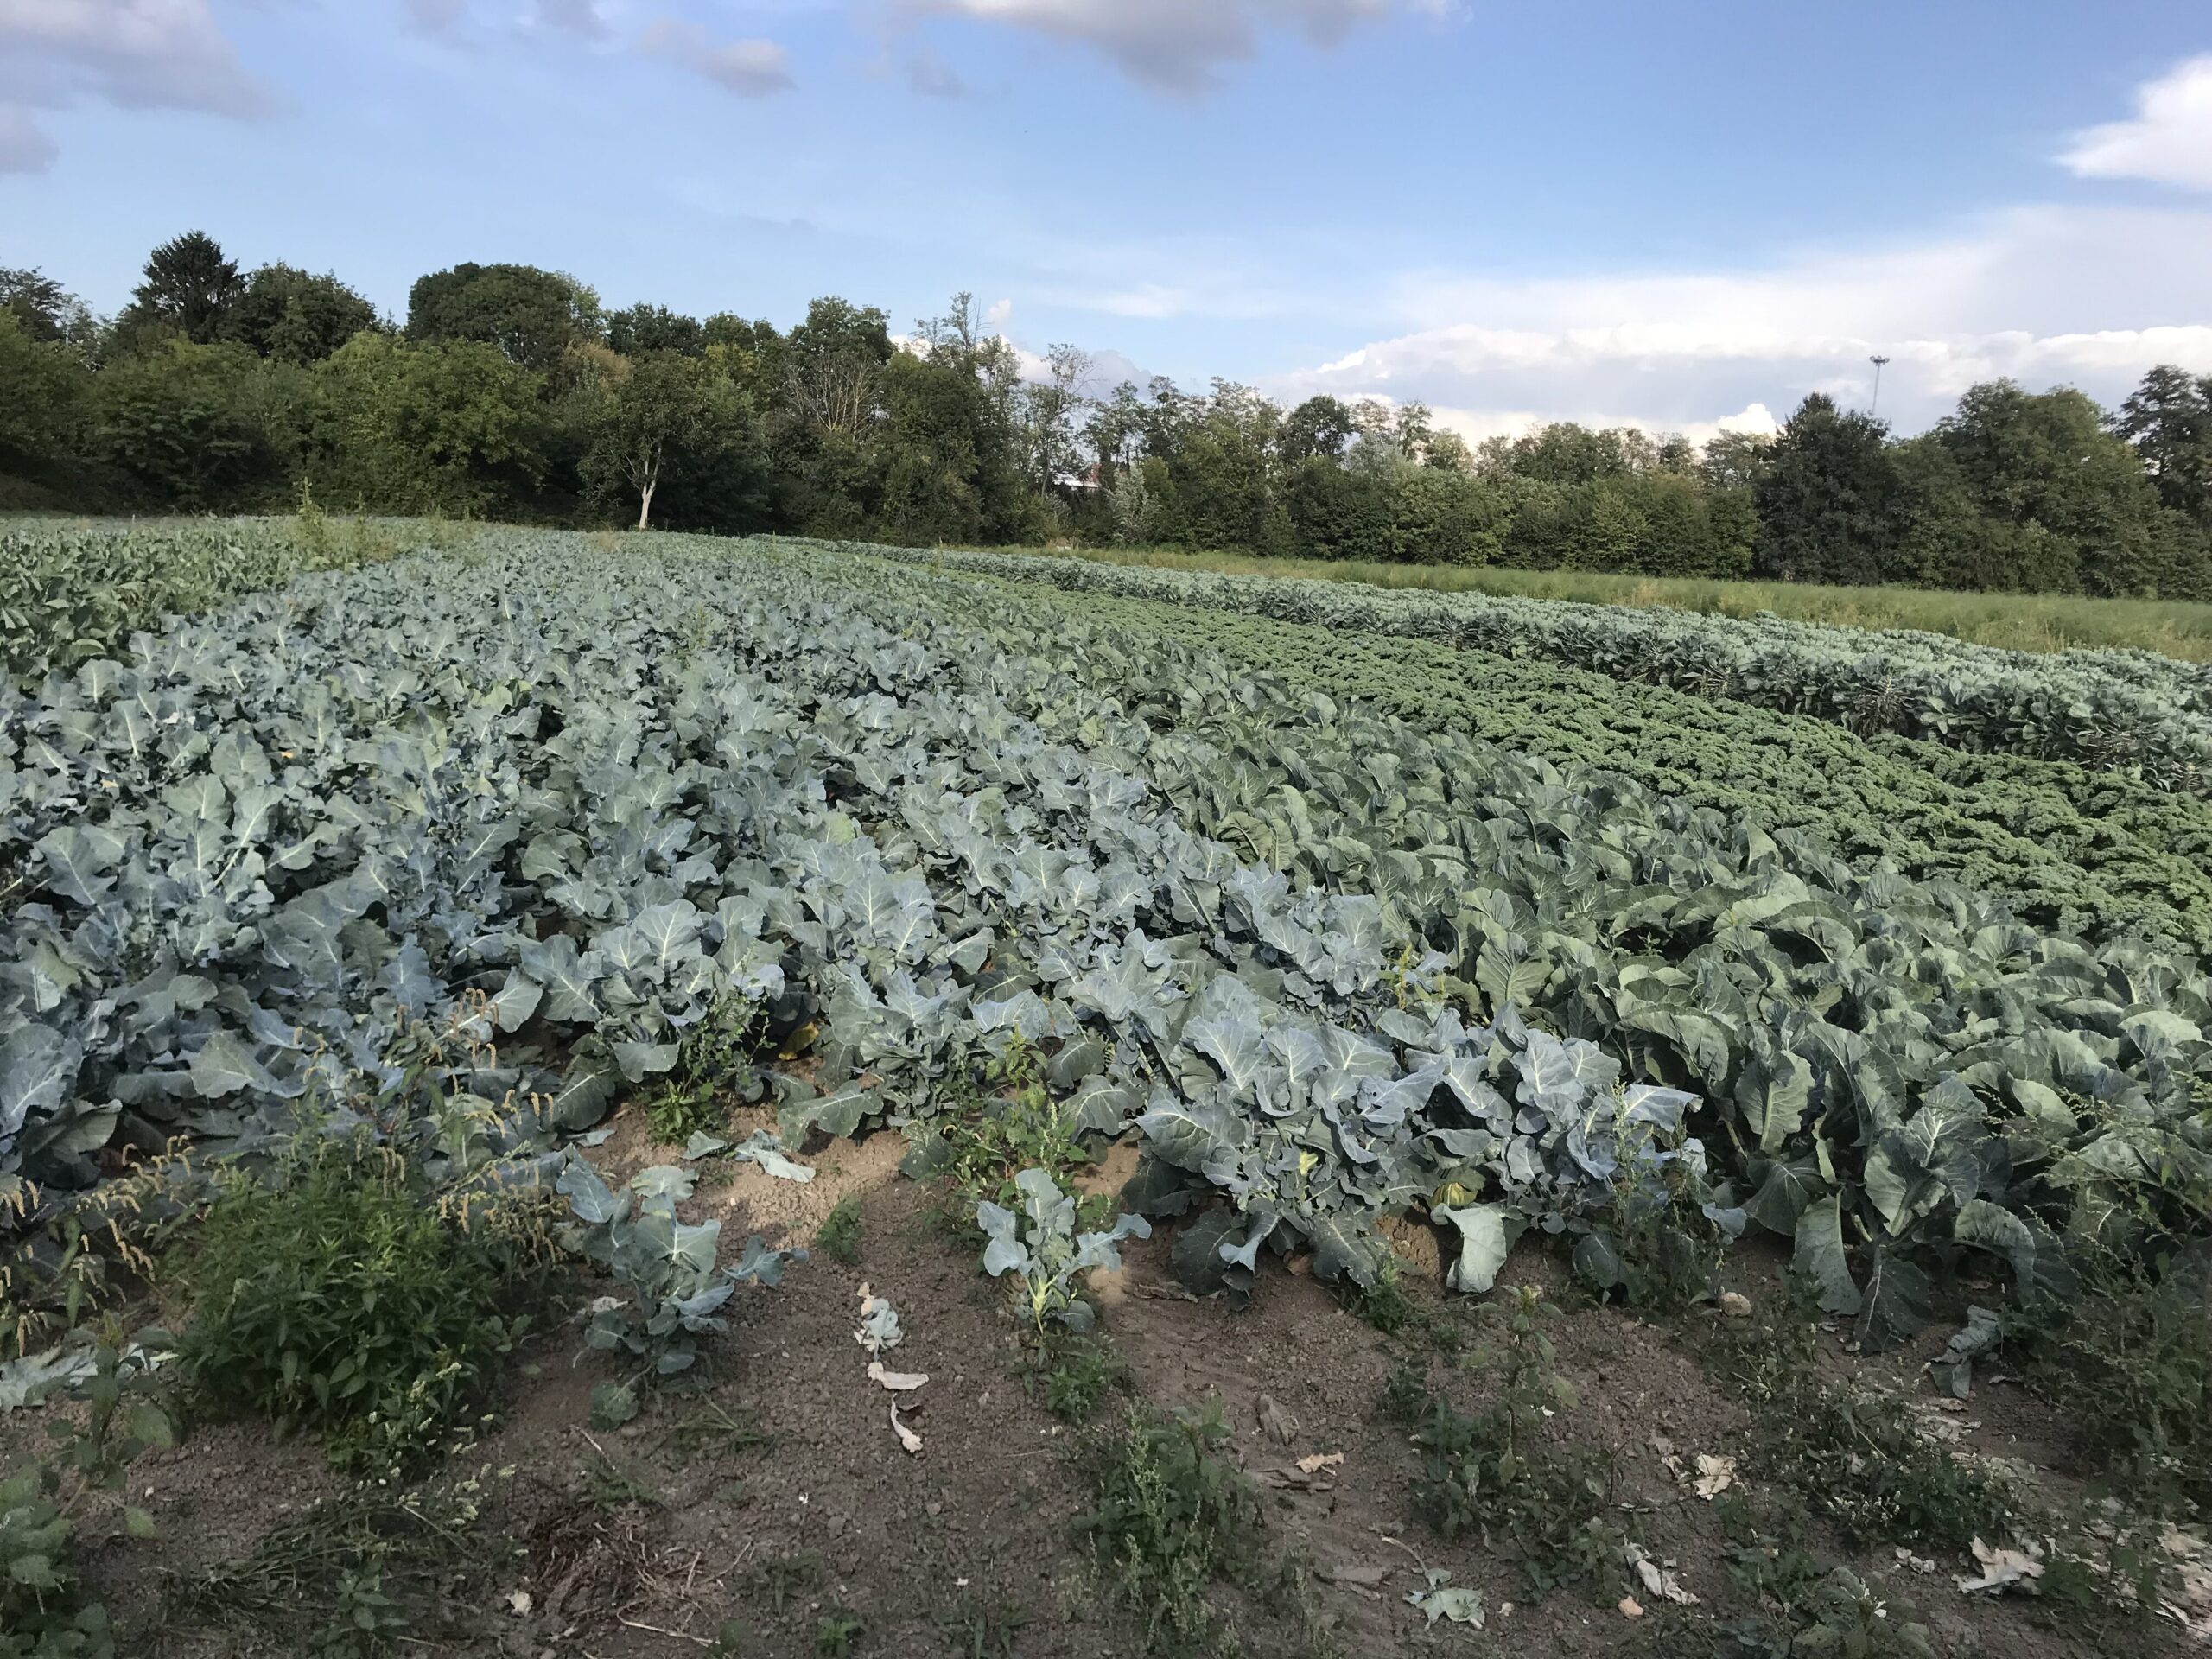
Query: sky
x=1687 y=216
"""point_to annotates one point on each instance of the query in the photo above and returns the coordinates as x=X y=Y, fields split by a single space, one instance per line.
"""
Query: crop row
x=1288 y=940
x=2073 y=851
x=2126 y=711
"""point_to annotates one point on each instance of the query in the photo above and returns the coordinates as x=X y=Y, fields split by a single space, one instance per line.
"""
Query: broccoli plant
x=670 y=1268
x=1039 y=1242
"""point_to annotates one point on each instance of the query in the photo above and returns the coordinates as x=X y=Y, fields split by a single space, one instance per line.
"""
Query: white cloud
x=2169 y=140
x=134 y=53
x=999 y=314
x=749 y=68
x=1178 y=46
x=2075 y=295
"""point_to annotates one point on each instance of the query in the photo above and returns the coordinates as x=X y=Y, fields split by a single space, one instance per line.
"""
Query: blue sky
x=1678 y=215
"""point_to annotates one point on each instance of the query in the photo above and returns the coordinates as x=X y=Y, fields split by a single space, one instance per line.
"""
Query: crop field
x=651 y=1094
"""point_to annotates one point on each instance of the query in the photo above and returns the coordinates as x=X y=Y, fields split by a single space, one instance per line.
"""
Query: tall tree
x=454 y=427
x=2169 y=420
x=295 y=315
x=189 y=286
x=183 y=419
x=1831 y=505
x=669 y=412
x=640 y=329
x=46 y=311
x=1321 y=427
x=531 y=316
x=43 y=387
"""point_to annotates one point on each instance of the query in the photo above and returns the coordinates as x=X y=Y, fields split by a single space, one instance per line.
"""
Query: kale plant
x=1038 y=1243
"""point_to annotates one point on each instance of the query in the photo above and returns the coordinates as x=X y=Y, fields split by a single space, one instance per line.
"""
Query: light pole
x=1878 y=360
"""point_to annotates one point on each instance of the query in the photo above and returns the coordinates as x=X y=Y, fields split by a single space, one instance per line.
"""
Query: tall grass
x=2014 y=621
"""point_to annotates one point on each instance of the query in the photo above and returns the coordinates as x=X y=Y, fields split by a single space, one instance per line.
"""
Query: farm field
x=1410 y=1123
x=2008 y=621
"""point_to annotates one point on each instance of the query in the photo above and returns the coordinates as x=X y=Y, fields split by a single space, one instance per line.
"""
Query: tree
x=181 y=419
x=669 y=411
x=45 y=311
x=836 y=361
x=2169 y=420
x=1321 y=427
x=1733 y=461
x=454 y=427
x=1832 y=506
x=531 y=316
x=641 y=328
x=189 y=287
x=297 y=316
x=1049 y=407
x=43 y=387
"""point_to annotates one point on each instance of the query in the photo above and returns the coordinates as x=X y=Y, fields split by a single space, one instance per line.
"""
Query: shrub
x=339 y=1297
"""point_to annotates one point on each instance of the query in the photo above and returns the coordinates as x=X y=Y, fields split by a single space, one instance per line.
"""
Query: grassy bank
x=2014 y=621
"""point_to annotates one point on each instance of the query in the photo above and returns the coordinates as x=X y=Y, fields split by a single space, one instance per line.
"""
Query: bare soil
x=966 y=1547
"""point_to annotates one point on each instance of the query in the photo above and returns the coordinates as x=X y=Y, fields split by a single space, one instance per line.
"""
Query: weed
x=732 y=1636
x=974 y=1630
x=982 y=1146
x=2127 y=1362
x=1857 y=1457
x=1385 y=1305
x=713 y=1070
x=1660 y=1252
x=1084 y=1370
x=71 y=1254
x=610 y=1486
x=713 y=1433
x=43 y=1612
x=1405 y=1396
x=337 y=1298
x=836 y=1631
x=789 y=1577
x=387 y=1555
x=1807 y=1607
x=1171 y=1515
x=839 y=1235
x=1497 y=1473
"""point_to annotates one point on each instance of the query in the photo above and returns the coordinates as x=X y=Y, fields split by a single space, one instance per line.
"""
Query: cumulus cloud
x=749 y=68
x=1178 y=46
x=2168 y=140
x=2076 y=296
x=135 y=53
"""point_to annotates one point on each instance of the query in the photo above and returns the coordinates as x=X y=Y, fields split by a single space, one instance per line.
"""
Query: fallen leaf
x=1444 y=1600
x=1658 y=1581
x=897 y=1381
x=1714 y=1475
x=1918 y=1563
x=2002 y=1569
x=1320 y=1460
x=907 y=1437
x=1735 y=1305
x=1631 y=1608
x=519 y=1603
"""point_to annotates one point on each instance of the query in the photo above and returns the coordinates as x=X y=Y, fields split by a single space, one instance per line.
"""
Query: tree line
x=512 y=392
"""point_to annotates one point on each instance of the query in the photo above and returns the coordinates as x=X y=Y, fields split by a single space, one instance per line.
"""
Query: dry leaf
x=897 y=1381
x=519 y=1603
x=2002 y=1569
x=907 y=1437
x=1735 y=1305
x=1631 y=1608
x=1714 y=1475
x=1320 y=1460
x=1658 y=1581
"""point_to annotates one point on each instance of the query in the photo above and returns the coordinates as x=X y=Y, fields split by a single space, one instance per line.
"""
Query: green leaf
x=1819 y=1256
